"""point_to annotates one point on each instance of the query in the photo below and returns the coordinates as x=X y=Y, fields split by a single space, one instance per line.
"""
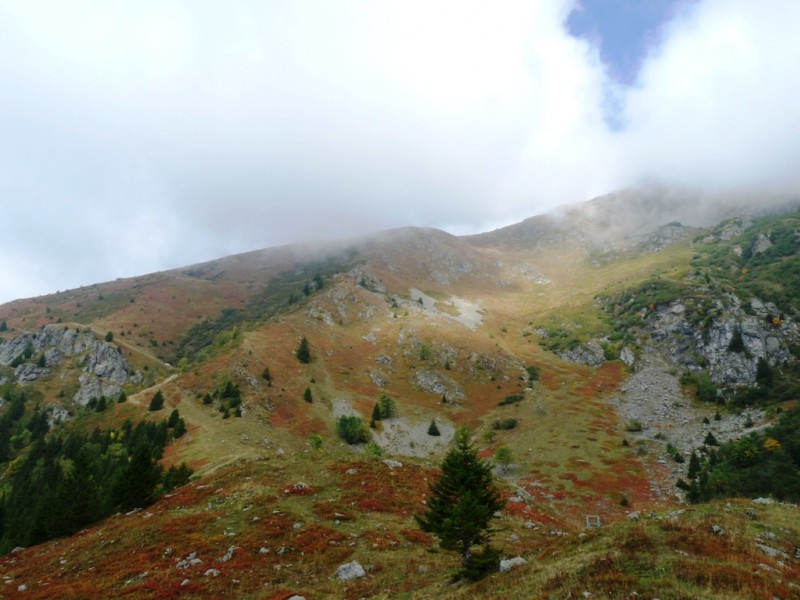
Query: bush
x=511 y=399
x=533 y=373
x=504 y=424
x=352 y=429
x=307 y=395
x=633 y=426
x=387 y=408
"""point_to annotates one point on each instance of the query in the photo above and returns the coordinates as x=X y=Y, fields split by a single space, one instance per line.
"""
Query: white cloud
x=144 y=135
x=717 y=106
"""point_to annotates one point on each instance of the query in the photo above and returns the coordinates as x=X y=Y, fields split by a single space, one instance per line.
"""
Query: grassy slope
x=567 y=449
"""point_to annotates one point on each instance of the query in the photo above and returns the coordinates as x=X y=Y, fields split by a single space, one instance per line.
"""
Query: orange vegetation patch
x=317 y=538
x=373 y=486
x=331 y=511
x=417 y=536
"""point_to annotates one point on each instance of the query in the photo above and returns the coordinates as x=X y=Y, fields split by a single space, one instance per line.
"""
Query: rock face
x=436 y=383
x=103 y=368
x=590 y=353
x=696 y=345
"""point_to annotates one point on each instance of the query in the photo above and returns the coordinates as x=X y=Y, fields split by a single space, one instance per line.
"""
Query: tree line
x=59 y=482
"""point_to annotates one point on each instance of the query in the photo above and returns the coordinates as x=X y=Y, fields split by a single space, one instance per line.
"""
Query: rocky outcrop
x=696 y=345
x=590 y=353
x=436 y=383
x=104 y=370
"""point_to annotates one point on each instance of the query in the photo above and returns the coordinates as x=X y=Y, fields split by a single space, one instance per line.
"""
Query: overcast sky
x=142 y=135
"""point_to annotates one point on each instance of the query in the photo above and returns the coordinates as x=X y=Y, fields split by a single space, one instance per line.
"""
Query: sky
x=137 y=136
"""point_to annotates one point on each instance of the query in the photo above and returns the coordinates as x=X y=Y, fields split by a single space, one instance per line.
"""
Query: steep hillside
x=599 y=345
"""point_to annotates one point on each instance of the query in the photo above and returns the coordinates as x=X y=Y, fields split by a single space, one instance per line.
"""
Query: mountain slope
x=539 y=337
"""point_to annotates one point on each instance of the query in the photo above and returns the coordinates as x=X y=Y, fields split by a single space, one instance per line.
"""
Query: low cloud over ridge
x=139 y=136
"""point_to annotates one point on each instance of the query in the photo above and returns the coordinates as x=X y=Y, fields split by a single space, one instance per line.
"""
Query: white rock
x=211 y=573
x=351 y=570
x=763 y=501
x=510 y=563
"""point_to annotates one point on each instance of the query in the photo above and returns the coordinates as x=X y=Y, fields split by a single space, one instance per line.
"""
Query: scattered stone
x=634 y=516
x=351 y=570
x=185 y=582
x=717 y=530
x=263 y=550
x=772 y=552
x=351 y=471
x=190 y=560
x=211 y=573
x=763 y=501
x=393 y=464
x=509 y=563
x=296 y=597
x=768 y=535
x=513 y=537
x=22 y=588
x=751 y=514
x=229 y=554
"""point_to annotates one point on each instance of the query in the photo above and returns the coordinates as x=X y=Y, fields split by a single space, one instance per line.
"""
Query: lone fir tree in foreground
x=463 y=501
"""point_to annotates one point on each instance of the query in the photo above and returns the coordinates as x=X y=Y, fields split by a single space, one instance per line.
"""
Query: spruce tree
x=307 y=395
x=303 y=353
x=157 y=402
x=463 y=501
x=694 y=466
x=433 y=429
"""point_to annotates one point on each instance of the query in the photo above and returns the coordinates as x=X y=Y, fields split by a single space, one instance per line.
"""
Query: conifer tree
x=463 y=501
x=157 y=402
x=307 y=395
x=303 y=353
x=433 y=429
x=694 y=466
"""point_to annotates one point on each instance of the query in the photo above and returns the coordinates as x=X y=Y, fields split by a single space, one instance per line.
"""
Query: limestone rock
x=351 y=570
x=510 y=563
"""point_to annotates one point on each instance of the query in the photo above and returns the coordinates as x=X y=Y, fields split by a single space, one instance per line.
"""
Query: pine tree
x=303 y=353
x=179 y=429
x=737 y=342
x=463 y=501
x=710 y=440
x=433 y=429
x=694 y=466
x=157 y=403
